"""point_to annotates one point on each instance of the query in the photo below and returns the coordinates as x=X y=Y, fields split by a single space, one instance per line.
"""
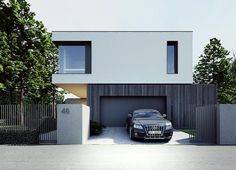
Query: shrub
x=95 y=128
x=19 y=136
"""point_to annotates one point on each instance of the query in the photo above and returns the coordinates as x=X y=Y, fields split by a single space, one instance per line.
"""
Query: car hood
x=146 y=121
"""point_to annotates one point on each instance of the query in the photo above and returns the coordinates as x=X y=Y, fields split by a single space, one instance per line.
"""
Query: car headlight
x=137 y=126
x=168 y=126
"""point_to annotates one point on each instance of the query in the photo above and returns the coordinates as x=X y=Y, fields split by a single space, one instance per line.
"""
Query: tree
x=214 y=67
x=32 y=51
x=9 y=69
x=4 y=53
x=28 y=57
x=233 y=70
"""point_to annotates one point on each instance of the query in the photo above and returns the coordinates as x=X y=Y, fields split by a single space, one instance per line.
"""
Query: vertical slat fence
x=40 y=117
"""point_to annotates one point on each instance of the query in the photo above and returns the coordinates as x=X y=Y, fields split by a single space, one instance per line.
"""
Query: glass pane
x=72 y=59
x=171 y=59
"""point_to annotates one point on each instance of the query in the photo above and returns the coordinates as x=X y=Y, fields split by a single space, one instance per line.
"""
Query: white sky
x=206 y=18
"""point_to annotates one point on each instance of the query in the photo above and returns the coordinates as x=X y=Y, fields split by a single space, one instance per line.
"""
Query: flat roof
x=122 y=31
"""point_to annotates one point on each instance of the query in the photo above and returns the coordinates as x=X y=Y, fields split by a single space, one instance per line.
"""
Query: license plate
x=154 y=132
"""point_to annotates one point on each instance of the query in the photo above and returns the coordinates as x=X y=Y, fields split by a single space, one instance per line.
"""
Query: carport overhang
x=69 y=83
x=80 y=90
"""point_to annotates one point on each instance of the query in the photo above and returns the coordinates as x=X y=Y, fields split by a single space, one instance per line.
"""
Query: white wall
x=85 y=123
x=72 y=123
x=130 y=57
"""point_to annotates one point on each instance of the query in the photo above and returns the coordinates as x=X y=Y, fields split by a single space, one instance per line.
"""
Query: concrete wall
x=72 y=123
x=130 y=57
x=85 y=123
x=226 y=124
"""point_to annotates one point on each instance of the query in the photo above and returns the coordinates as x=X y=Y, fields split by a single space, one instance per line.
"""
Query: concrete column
x=72 y=123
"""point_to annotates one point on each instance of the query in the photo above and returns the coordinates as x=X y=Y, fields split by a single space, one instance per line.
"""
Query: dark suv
x=148 y=124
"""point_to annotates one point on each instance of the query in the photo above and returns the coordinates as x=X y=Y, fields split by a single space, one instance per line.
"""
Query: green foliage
x=28 y=57
x=189 y=131
x=4 y=54
x=233 y=71
x=19 y=137
x=233 y=68
x=95 y=128
x=59 y=94
x=214 y=67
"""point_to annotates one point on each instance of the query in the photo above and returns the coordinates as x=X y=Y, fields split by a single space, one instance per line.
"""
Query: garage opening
x=114 y=110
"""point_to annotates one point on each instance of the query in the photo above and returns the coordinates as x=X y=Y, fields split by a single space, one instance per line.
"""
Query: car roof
x=145 y=110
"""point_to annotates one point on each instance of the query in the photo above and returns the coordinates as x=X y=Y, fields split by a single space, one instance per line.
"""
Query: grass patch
x=188 y=131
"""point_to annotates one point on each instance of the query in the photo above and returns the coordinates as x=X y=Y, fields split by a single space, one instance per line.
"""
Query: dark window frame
x=88 y=53
x=175 y=44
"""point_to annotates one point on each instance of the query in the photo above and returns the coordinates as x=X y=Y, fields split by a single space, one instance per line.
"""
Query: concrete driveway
x=119 y=135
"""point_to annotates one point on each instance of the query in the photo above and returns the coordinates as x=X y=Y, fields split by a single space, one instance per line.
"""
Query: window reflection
x=72 y=59
x=172 y=57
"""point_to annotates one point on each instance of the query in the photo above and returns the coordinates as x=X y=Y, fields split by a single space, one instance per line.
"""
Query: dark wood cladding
x=179 y=97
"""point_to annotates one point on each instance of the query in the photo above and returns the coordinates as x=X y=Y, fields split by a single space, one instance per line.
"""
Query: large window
x=172 y=57
x=74 y=57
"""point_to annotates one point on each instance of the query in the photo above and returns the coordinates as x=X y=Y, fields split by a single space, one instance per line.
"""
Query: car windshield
x=147 y=115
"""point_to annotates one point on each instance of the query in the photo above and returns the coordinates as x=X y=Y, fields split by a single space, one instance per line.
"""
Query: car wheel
x=167 y=140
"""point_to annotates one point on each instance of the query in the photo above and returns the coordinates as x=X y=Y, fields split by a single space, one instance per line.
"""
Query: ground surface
x=117 y=157
x=118 y=135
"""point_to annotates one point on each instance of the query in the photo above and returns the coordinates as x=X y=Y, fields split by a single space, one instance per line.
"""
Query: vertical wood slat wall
x=203 y=126
x=179 y=97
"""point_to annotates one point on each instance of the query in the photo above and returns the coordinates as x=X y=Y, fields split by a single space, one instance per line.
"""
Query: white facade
x=130 y=57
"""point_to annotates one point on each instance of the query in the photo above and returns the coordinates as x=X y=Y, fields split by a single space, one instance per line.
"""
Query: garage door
x=114 y=110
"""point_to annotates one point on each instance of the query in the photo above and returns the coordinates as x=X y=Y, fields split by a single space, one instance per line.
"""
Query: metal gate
x=41 y=118
x=203 y=124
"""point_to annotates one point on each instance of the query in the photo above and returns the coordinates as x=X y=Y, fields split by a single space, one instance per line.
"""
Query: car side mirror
x=129 y=115
x=164 y=115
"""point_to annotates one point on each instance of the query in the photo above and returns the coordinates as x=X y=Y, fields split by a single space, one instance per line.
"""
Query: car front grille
x=154 y=131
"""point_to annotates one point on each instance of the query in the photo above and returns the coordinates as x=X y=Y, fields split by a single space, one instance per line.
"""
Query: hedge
x=96 y=128
x=19 y=137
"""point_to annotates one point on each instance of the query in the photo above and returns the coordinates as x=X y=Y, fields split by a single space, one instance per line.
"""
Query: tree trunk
x=22 y=106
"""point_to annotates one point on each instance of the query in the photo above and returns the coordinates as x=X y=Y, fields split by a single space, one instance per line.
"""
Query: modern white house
x=116 y=72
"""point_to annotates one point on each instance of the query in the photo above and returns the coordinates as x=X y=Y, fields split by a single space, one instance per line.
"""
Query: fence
x=39 y=117
x=203 y=128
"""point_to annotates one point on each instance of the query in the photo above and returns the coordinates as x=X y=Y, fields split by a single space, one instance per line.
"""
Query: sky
x=206 y=18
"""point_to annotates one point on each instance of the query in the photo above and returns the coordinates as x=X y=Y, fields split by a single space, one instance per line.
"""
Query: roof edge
x=122 y=31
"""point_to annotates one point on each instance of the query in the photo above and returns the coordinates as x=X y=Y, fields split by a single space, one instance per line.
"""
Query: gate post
x=72 y=123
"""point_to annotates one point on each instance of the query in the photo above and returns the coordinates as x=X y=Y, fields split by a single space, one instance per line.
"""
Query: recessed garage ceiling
x=114 y=110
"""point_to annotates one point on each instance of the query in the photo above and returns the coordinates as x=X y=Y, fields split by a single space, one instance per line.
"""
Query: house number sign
x=65 y=111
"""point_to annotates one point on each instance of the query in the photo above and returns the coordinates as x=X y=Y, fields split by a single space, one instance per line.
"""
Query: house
x=116 y=72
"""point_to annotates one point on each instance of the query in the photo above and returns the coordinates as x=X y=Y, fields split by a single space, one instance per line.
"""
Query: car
x=148 y=124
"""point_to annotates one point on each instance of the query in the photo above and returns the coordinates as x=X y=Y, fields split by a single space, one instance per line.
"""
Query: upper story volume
x=93 y=57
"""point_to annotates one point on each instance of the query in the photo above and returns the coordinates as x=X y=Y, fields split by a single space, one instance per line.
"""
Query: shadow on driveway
x=119 y=135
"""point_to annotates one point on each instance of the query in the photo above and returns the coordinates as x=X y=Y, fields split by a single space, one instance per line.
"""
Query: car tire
x=130 y=134
x=167 y=140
